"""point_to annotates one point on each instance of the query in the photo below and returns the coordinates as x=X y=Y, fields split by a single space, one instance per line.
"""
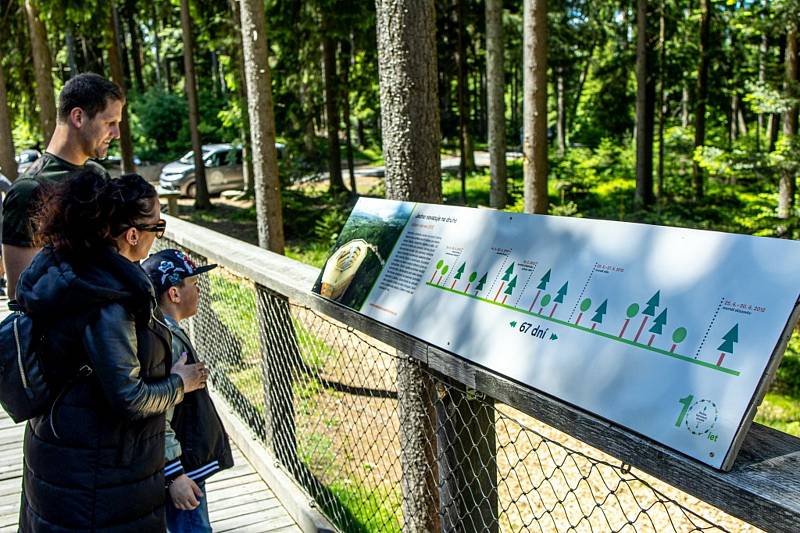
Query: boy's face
x=189 y=296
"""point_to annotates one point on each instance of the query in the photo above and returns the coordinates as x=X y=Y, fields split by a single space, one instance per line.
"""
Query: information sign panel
x=668 y=332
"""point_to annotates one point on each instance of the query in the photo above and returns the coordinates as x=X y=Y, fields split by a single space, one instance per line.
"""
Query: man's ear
x=174 y=295
x=77 y=117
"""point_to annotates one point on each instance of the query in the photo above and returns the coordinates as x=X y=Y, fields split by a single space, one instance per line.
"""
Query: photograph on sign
x=668 y=332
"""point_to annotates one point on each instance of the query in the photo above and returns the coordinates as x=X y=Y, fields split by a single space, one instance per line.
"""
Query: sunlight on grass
x=780 y=412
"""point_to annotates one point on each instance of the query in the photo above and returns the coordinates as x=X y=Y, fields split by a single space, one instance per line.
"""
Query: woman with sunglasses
x=95 y=461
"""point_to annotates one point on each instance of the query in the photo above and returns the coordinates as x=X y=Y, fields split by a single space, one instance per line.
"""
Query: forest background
x=673 y=112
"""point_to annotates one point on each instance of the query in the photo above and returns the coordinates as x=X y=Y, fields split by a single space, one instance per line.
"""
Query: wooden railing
x=762 y=489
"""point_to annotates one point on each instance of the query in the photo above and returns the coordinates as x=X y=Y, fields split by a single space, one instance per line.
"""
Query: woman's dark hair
x=88 y=210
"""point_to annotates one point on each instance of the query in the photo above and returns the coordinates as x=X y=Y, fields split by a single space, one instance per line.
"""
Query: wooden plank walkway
x=239 y=500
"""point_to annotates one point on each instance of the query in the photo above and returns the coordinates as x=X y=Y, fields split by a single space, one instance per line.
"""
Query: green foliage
x=328 y=227
x=161 y=129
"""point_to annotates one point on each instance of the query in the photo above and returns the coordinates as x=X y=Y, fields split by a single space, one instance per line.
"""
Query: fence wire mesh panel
x=323 y=399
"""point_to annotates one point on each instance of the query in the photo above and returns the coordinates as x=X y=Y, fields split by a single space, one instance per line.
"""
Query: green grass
x=311 y=252
x=371 y=510
x=781 y=412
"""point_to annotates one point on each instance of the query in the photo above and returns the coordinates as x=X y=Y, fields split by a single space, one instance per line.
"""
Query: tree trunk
x=462 y=100
x=685 y=104
x=514 y=90
x=43 y=67
x=741 y=122
x=534 y=106
x=787 y=184
x=662 y=108
x=201 y=200
x=467 y=449
x=561 y=114
x=309 y=134
x=71 y=60
x=346 y=60
x=244 y=132
x=269 y=217
x=114 y=61
x=581 y=82
x=215 y=78
x=136 y=50
x=336 y=184
x=156 y=45
x=645 y=103
x=406 y=32
x=763 y=58
x=773 y=127
x=8 y=165
x=498 y=194
x=701 y=95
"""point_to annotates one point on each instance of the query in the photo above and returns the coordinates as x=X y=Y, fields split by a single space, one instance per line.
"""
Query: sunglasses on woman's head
x=158 y=228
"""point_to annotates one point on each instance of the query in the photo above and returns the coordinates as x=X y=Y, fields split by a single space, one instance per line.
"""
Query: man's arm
x=16 y=259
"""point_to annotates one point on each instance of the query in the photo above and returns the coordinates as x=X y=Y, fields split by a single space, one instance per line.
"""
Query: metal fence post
x=467 y=451
x=280 y=356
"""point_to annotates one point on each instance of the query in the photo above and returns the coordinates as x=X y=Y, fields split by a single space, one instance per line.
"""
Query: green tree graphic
x=729 y=339
x=509 y=271
x=652 y=303
x=601 y=310
x=561 y=293
x=511 y=285
x=544 y=281
x=658 y=323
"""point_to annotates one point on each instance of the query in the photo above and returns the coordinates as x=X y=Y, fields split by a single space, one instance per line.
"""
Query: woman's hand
x=194 y=376
x=185 y=493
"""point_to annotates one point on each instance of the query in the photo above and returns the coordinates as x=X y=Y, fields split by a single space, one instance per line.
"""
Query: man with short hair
x=89 y=113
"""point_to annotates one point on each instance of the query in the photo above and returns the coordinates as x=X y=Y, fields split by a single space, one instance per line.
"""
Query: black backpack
x=24 y=392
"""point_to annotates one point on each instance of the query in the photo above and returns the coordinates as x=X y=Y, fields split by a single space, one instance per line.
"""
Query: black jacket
x=94 y=463
x=205 y=449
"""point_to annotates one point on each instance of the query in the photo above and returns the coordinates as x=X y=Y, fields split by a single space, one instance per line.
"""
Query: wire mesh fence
x=323 y=398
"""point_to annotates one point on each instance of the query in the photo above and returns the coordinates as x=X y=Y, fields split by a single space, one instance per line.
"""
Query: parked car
x=25 y=159
x=223 y=164
x=113 y=164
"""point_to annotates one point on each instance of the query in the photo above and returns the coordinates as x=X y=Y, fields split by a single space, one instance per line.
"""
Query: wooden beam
x=762 y=488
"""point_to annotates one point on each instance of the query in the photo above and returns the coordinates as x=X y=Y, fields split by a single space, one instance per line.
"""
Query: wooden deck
x=239 y=499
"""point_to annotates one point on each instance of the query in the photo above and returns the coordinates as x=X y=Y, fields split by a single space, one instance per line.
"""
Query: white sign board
x=668 y=332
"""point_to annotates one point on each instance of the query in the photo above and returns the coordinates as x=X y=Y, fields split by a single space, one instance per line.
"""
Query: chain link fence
x=323 y=398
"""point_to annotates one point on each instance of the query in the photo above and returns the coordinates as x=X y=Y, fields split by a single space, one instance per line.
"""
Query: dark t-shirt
x=20 y=202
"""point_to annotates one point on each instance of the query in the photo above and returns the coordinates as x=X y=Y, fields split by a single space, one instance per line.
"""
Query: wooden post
x=467 y=448
x=280 y=354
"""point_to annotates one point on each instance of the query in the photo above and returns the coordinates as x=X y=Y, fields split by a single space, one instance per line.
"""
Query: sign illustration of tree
x=444 y=271
x=559 y=297
x=542 y=286
x=649 y=310
x=509 y=271
x=471 y=280
x=658 y=326
x=459 y=272
x=510 y=288
x=506 y=277
x=599 y=313
x=585 y=305
x=728 y=340
x=438 y=267
x=481 y=283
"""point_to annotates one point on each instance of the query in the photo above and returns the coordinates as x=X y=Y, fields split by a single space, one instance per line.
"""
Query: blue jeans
x=194 y=521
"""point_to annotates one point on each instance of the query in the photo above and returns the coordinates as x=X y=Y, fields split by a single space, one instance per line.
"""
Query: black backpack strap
x=84 y=371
